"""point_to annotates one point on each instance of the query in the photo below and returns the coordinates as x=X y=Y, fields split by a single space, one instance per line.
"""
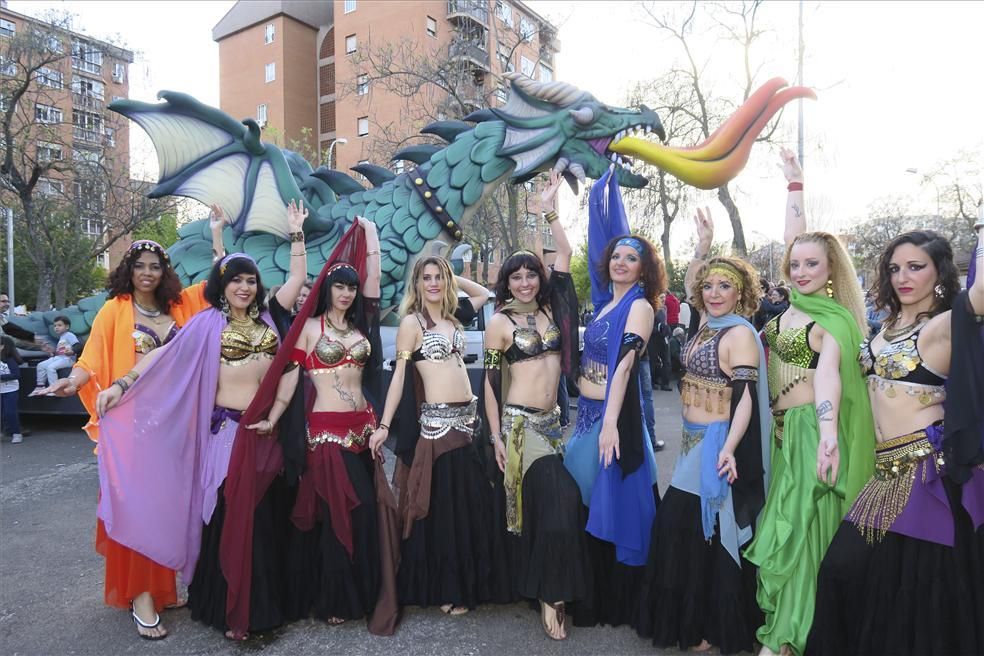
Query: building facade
x=65 y=118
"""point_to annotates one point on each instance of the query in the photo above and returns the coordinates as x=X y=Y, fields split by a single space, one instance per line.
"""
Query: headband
x=340 y=265
x=631 y=241
x=523 y=251
x=148 y=245
x=725 y=270
x=233 y=256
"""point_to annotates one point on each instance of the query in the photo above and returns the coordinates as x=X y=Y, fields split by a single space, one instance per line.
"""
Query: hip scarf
x=778 y=423
x=530 y=434
x=696 y=471
x=328 y=433
x=218 y=450
x=906 y=494
x=444 y=427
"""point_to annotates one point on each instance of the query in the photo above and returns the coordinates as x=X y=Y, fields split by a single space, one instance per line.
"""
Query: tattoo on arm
x=796 y=210
x=825 y=411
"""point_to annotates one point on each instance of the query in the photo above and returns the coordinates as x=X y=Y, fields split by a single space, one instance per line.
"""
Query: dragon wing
x=205 y=154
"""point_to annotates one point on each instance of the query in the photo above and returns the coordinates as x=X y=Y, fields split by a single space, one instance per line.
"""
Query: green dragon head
x=556 y=125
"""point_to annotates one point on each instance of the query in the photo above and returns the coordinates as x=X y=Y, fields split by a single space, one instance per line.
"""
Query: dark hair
x=938 y=249
x=515 y=262
x=221 y=274
x=8 y=350
x=65 y=320
x=345 y=275
x=168 y=291
x=782 y=291
x=653 y=272
x=765 y=285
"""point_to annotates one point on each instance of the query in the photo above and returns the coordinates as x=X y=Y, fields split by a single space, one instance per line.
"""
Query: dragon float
x=207 y=155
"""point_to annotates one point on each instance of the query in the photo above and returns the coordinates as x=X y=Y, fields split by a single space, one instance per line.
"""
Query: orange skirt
x=129 y=574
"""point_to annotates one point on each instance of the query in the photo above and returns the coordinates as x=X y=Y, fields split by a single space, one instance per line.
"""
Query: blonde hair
x=847 y=290
x=412 y=300
x=750 y=291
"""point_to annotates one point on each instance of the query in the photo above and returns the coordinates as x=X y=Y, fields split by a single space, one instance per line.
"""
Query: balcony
x=87 y=102
x=473 y=10
x=89 y=136
x=472 y=51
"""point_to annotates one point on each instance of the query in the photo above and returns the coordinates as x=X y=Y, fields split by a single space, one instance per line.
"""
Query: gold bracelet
x=372 y=252
x=404 y=355
x=298 y=254
x=550 y=217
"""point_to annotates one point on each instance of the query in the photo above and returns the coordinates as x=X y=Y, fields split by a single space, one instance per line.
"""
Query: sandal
x=454 y=611
x=231 y=635
x=143 y=625
x=561 y=615
x=335 y=621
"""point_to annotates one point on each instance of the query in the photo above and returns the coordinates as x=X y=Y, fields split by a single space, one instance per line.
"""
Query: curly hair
x=221 y=274
x=948 y=278
x=847 y=290
x=168 y=291
x=749 y=291
x=653 y=276
x=515 y=262
x=413 y=302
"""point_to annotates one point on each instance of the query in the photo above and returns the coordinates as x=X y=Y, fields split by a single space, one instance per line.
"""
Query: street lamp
x=926 y=178
x=331 y=148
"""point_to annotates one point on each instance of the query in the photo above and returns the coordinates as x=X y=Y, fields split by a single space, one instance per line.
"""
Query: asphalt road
x=51 y=578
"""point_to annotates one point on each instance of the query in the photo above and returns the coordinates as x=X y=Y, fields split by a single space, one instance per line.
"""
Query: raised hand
x=366 y=224
x=790 y=166
x=548 y=198
x=705 y=230
x=296 y=213
x=217 y=218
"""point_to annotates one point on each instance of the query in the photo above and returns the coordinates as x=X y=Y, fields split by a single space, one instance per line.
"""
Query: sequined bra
x=436 y=347
x=900 y=362
x=329 y=353
x=790 y=357
x=245 y=341
x=594 y=360
x=703 y=381
x=145 y=339
x=528 y=344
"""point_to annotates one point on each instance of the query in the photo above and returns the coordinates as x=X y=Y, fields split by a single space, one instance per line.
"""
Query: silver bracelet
x=494 y=436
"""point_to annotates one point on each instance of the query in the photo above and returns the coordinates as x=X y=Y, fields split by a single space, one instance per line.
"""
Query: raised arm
x=477 y=294
x=795 y=212
x=827 y=395
x=217 y=221
x=287 y=294
x=705 y=237
x=406 y=339
x=370 y=288
x=548 y=207
x=976 y=293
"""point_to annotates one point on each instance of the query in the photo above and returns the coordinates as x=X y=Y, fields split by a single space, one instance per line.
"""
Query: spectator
x=646 y=381
x=672 y=305
x=64 y=355
x=685 y=316
x=677 y=342
x=775 y=302
x=9 y=328
x=302 y=296
x=660 y=351
x=875 y=316
x=10 y=362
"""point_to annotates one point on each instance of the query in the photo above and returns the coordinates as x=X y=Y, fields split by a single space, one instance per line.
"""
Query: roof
x=248 y=13
x=113 y=49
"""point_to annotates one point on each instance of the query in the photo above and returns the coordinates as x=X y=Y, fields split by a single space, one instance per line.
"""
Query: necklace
x=147 y=312
x=341 y=333
x=892 y=334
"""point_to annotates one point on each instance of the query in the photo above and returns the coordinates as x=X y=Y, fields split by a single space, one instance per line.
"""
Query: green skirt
x=799 y=520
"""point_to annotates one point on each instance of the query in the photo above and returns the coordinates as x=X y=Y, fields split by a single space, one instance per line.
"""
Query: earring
x=739 y=309
x=939 y=291
x=254 y=311
x=830 y=288
x=611 y=288
x=642 y=285
x=224 y=305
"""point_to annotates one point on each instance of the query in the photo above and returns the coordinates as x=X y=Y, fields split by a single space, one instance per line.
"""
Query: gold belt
x=779 y=418
x=359 y=439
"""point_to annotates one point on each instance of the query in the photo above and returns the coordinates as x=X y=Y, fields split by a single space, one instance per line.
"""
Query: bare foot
x=702 y=647
x=450 y=609
x=231 y=635
x=334 y=621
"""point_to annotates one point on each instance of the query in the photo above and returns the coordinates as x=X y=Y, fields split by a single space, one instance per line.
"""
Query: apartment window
x=3 y=104
x=268 y=33
x=261 y=114
x=47 y=114
x=503 y=52
x=351 y=44
x=399 y=166
x=363 y=125
x=54 y=44
x=119 y=72
x=349 y=6
x=546 y=73
x=526 y=28
x=49 y=78
x=526 y=66
x=362 y=85
x=88 y=126
x=110 y=137
x=270 y=72
x=103 y=260
x=504 y=12
x=501 y=95
x=48 y=187
x=7 y=28
x=85 y=155
x=7 y=67
x=86 y=58
x=88 y=87
x=92 y=227
x=431 y=27
x=49 y=152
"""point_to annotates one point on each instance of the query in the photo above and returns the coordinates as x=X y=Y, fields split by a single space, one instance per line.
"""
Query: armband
x=296 y=237
x=633 y=342
x=493 y=358
x=404 y=355
x=745 y=373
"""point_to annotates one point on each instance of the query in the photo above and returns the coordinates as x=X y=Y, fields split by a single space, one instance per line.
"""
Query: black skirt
x=902 y=596
x=207 y=590
x=447 y=559
x=693 y=588
x=321 y=577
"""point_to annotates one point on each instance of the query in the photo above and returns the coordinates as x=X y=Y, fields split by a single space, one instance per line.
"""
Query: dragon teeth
x=613 y=157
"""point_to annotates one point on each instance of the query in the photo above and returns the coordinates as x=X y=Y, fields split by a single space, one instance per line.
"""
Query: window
x=362 y=85
x=431 y=27
x=399 y=166
x=546 y=73
x=47 y=114
x=85 y=155
x=92 y=227
x=526 y=28
x=363 y=126
x=270 y=72
x=261 y=114
x=504 y=12
x=503 y=52
x=7 y=28
x=88 y=126
x=86 y=58
x=351 y=44
x=48 y=187
x=526 y=66
x=116 y=98
x=53 y=44
x=501 y=95
x=49 y=78
x=268 y=33
x=3 y=104
x=7 y=67
x=87 y=87
x=110 y=137
x=49 y=152
x=349 y=6
x=119 y=72
x=90 y=196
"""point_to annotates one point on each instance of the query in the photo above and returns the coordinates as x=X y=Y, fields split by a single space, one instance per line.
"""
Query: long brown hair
x=412 y=300
x=653 y=273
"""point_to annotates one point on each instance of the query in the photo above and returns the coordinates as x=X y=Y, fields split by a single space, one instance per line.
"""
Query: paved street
x=51 y=578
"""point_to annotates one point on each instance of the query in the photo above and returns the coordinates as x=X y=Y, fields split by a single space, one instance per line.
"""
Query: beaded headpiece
x=147 y=245
x=727 y=271
x=233 y=256
x=631 y=241
x=340 y=265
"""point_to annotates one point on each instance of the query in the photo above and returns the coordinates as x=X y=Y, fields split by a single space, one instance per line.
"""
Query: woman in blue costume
x=699 y=590
x=609 y=454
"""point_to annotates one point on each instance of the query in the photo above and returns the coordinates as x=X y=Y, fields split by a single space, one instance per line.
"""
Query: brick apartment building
x=307 y=68
x=69 y=101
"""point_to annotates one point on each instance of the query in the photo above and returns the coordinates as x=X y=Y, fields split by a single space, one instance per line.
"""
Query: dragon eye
x=583 y=115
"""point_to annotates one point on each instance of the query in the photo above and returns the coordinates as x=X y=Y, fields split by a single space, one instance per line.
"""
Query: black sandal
x=143 y=625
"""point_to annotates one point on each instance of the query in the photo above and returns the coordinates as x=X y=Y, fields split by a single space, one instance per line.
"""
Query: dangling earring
x=254 y=311
x=642 y=285
x=939 y=291
x=830 y=288
x=739 y=309
x=224 y=305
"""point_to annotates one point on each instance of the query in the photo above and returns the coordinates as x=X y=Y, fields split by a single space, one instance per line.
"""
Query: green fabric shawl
x=855 y=426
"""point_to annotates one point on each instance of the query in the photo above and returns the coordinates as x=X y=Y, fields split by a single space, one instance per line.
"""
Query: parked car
x=44 y=405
